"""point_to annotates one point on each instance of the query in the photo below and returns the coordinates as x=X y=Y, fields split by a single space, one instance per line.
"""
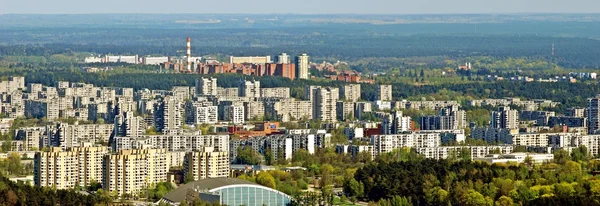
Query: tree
x=474 y=198
x=266 y=179
x=437 y=196
x=354 y=188
x=247 y=155
x=504 y=201
x=580 y=154
x=561 y=156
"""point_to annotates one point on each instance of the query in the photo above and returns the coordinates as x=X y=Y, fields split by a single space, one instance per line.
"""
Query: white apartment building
x=324 y=102
x=206 y=114
x=249 y=89
x=476 y=151
x=387 y=143
x=235 y=114
x=505 y=118
x=302 y=67
x=66 y=136
x=384 y=92
x=174 y=142
x=168 y=114
x=128 y=125
x=206 y=86
x=351 y=92
x=32 y=137
x=254 y=110
x=276 y=92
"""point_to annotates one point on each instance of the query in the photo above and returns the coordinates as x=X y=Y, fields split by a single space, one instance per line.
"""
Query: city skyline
x=307 y=7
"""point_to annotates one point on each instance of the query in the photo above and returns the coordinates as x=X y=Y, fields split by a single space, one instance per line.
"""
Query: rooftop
x=180 y=193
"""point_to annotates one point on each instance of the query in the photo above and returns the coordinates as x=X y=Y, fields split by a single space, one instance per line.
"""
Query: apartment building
x=254 y=110
x=131 y=171
x=206 y=86
x=505 y=118
x=249 y=89
x=445 y=152
x=42 y=109
x=288 y=109
x=387 y=143
x=324 y=104
x=235 y=114
x=65 y=135
x=345 y=110
x=168 y=114
x=395 y=123
x=206 y=163
x=206 y=114
x=173 y=142
x=32 y=137
x=277 y=92
x=302 y=66
x=384 y=92
x=128 y=125
x=350 y=92
x=66 y=169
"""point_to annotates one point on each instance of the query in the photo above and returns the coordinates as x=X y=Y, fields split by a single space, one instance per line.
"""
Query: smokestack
x=189 y=54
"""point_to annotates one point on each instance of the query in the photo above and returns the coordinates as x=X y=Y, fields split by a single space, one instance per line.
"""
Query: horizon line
x=307 y=14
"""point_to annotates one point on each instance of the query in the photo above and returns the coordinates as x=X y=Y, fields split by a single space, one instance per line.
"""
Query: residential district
x=127 y=140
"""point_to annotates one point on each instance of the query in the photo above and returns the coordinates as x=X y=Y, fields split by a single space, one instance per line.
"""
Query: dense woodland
x=443 y=182
x=19 y=194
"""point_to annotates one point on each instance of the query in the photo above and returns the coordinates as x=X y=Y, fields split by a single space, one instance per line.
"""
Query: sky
x=299 y=6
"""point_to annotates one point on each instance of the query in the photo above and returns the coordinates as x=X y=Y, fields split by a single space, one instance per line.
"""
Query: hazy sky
x=299 y=6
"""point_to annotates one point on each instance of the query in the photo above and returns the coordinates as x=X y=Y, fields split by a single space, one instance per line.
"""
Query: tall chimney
x=189 y=54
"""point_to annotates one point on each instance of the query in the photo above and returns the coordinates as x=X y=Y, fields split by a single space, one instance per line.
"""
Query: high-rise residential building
x=345 y=110
x=288 y=109
x=66 y=136
x=131 y=171
x=283 y=58
x=206 y=114
x=505 y=118
x=449 y=118
x=168 y=114
x=302 y=64
x=249 y=89
x=235 y=114
x=13 y=84
x=384 y=92
x=206 y=86
x=593 y=115
x=206 y=163
x=128 y=125
x=277 y=92
x=387 y=143
x=395 y=123
x=66 y=169
x=351 y=92
x=50 y=109
x=324 y=102
x=174 y=142
x=254 y=110
x=32 y=137
x=361 y=108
